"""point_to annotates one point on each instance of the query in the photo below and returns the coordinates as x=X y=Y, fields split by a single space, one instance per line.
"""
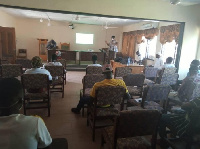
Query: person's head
x=169 y=60
x=158 y=55
x=195 y=62
x=94 y=58
x=36 y=62
x=11 y=96
x=193 y=70
x=113 y=37
x=58 y=53
x=108 y=73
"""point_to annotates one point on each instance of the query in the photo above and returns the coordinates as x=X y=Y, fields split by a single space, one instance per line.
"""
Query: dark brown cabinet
x=7 y=44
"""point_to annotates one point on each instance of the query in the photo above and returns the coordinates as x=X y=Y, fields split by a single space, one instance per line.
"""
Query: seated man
x=36 y=63
x=109 y=81
x=158 y=61
x=94 y=61
x=168 y=63
x=18 y=131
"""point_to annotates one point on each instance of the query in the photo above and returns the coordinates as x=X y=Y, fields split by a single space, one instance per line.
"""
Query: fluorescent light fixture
x=82 y=38
x=174 y=2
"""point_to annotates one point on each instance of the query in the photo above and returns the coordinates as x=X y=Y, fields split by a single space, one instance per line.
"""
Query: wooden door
x=43 y=49
x=7 y=44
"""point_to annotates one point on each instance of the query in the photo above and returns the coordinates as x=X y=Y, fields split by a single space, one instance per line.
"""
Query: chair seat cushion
x=126 y=143
x=151 y=105
x=133 y=142
x=110 y=111
x=36 y=95
x=134 y=90
x=87 y=91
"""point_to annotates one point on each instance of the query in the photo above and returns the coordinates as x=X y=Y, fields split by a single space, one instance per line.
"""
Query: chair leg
x=83 y=111
x=24 y=107
x=93 y=130
x=63 y=91
x=102 y=140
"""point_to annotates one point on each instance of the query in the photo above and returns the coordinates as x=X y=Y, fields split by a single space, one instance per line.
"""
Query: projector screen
x=84 y=38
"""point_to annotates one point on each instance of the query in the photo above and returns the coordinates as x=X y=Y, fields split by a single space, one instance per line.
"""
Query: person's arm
x=43 y=137
x=126 y=95
x=107 y=43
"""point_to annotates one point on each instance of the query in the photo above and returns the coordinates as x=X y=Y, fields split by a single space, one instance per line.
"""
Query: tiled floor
x=62 y=122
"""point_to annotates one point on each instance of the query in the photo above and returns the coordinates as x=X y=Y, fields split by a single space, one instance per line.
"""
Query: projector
x=71 y=26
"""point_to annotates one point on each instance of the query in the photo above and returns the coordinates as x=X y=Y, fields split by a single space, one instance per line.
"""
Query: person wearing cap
x=112 y=44
x=158 y=61
x=108 y=81
x=18 y=131
x=36 y=63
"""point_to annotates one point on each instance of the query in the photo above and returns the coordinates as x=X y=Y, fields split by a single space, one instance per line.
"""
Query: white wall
x=152 y=9
x=28 y=30
x=7 y=20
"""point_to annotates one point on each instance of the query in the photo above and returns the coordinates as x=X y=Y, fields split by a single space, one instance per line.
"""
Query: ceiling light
x=174 y=2
x=41 y=20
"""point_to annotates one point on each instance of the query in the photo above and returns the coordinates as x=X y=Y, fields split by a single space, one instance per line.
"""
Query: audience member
x=158 y=61
x=194 y=63
x=56 y=56
x=168 y=63
x=109 y=81
x=36 y=63
x=94 y=61
x=18 y=131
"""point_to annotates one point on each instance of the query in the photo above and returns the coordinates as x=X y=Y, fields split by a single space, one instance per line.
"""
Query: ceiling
x=71 y=18
x=183 y=2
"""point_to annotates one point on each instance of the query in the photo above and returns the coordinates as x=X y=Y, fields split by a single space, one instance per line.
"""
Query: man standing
x=108 y=81
x=158 y=61
x=112 y=44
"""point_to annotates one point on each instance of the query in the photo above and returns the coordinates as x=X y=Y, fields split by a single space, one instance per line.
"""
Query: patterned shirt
x=107 y=82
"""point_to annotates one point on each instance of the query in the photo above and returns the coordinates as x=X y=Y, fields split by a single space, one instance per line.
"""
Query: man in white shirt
x=36 y=63
x=18 y=131
x=168 y=63
x=158 y=61
x=112 y=44
x=94 y=61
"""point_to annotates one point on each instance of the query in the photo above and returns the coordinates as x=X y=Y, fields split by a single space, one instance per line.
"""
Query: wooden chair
x=88 y=82
x=130 y=130
x=93 y=70
x=65 y=46
x=151 y=73
x=134 y=83
x=120 y=72
x=105 y=95
x=26 y=63
x=11 y=70
x=22 y=53
x=36 y=92
x=57 y=73
x=63 y=62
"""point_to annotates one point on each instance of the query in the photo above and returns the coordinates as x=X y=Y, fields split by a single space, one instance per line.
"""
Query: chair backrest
x=91 y=79
x=94 y=70
x=167 y=71
x=109 y=95
x=11 y=70
x=150 y=72
x=185 y=91
x=55 y=70
x=35 y=81
x=63 y=62
x=134 y=79
x=122 y=71
x=158 y=92
x=65 y=46
x=4 y=62
x=137 y=123
x=26 y=63
x=170 y=79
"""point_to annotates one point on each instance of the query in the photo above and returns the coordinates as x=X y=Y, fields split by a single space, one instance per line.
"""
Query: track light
x=41 y=20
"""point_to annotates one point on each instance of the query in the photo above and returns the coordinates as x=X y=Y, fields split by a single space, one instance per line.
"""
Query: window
x=84 y=38
x=147 y=48
x=169 y=49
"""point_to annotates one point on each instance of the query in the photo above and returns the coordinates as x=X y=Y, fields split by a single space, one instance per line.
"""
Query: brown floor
x=63 y=123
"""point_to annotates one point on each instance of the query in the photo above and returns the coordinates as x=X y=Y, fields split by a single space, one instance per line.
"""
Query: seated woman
x=168 y=63
x=36 y=63
x=194 y=63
